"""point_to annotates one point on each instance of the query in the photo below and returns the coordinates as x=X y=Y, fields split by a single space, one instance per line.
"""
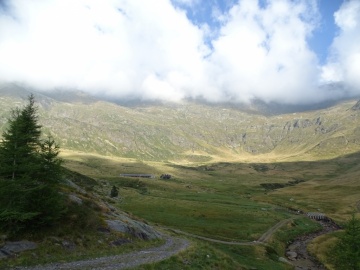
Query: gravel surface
x=171 y=247
x=297 y=252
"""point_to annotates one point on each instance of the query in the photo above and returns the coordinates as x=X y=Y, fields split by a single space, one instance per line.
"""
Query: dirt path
x=171 y=247
x=297 y=252
x=262 y=240
x=266 y=236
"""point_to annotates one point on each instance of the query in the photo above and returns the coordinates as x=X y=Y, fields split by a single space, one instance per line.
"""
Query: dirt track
x=171 y=247
x=263 y=239
x=174 y=245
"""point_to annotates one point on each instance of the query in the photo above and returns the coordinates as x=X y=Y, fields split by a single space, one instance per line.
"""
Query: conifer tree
x=51 y=170
x=30 y=171
x=347 y=249
x=20 y=143
x=114 y=192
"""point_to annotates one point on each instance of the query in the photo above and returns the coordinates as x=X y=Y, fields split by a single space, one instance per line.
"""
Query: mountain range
x=190 y=131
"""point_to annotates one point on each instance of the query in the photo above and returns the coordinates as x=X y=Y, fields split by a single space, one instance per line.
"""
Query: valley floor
x=175 y=245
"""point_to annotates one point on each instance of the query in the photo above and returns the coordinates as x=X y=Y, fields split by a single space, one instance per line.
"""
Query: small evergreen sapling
x=114 y=192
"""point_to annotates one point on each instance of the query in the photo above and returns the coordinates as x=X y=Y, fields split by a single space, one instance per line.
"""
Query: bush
x=114 y=192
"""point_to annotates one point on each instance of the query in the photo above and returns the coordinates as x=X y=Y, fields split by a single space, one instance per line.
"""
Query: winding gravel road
x=171 y=247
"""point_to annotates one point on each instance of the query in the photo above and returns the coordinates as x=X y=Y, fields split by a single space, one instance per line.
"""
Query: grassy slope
x=76 y=236
x=225 y=201
x=191 y=132
x=202 y=133
x=332 y=187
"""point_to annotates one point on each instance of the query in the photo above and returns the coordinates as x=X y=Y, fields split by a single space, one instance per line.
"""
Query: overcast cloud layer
x=152 y=51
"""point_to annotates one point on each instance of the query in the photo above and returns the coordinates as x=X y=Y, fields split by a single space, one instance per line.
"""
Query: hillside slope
x=189 y=132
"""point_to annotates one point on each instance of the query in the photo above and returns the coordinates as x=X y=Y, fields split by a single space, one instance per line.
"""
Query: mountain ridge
x=189 y=131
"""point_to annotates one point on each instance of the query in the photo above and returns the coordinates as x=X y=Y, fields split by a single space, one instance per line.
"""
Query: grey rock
x=291 y=255
x=75 y=199
x=283 y=260
x=132 y=227
x=19 y=246
x=11 y=248
x=78 y=189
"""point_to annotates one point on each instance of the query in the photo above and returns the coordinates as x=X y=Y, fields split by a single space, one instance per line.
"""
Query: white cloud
x=151 y=50
x=344 y=62
x=109 y=46
x=262 y=53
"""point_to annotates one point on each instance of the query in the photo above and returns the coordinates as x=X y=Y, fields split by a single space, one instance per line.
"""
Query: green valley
x=234 y=174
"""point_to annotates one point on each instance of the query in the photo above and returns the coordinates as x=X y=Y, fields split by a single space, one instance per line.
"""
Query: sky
x=215 y=50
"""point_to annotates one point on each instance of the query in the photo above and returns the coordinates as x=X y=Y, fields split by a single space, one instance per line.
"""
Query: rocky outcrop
x=135 y=228
x=12 y=248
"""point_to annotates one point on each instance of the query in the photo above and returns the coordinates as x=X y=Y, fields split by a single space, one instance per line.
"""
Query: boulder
x=75 y=199
x=135 y=228
x=291 y=255
x=11 y=248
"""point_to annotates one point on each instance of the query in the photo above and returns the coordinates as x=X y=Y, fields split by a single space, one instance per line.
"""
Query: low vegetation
x=226 y=201
x=203 y=255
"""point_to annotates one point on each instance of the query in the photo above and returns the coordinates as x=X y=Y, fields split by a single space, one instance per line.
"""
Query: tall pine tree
x=20 y=143
x=30 y=172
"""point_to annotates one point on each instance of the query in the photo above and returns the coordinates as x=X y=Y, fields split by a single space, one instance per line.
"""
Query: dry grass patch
x=321 y=247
